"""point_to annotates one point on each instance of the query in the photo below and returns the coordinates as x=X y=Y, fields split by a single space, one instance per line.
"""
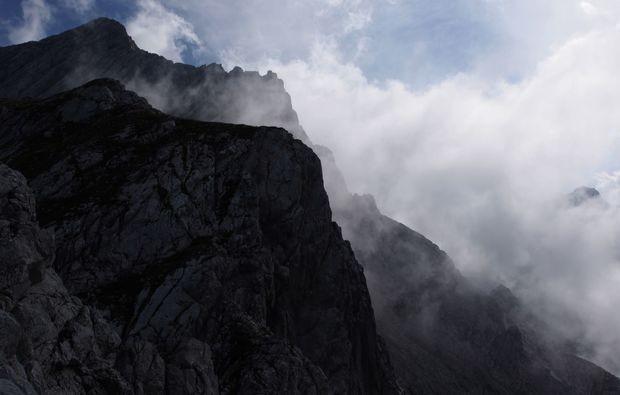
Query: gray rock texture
x=205 y=251
x=50 y=342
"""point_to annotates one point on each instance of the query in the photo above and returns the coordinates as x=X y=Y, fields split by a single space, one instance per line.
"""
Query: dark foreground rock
x=50 y=342
x=190 y=257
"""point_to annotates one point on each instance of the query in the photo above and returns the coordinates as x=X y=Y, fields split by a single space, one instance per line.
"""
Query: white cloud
x=475 y=163
x=36 y=14
x=158 y=29
x=357 y=20
x=479 y=167
x=283 y=29
x=588 y=8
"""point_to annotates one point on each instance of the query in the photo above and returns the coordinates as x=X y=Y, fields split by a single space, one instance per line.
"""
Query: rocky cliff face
x=231 y=212
x=173 y=256
x=50 y=342
x=102 y=48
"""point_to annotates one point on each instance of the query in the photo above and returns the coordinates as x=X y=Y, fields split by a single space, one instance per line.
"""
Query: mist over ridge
x=482 y=167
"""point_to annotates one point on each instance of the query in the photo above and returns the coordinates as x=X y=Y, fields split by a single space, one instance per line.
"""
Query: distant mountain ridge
x=583 y=195
x=102 y=48
x=443 y=334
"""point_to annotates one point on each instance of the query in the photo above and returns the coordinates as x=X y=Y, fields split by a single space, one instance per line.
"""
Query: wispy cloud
x=79 y=6
x=481 y=167
x=36 y=14
x=255 y=29
x=160 y=30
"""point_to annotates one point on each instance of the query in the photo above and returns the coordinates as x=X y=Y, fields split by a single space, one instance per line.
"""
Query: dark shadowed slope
x=201 y=257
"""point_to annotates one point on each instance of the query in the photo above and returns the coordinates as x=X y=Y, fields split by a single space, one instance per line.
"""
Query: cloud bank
x=36 y=14
x=483 y=167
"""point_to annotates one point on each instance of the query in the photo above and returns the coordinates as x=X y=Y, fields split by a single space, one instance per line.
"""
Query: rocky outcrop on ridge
x=172 y=256
x=103 y=49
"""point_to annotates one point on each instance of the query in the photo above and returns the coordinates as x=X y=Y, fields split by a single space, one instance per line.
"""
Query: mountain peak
x=105 y=23
x=582 y=195
x=102 y=48
x=98 y=32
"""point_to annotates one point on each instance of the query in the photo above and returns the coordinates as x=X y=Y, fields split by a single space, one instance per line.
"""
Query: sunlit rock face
x=173 y=256
x=209 y=251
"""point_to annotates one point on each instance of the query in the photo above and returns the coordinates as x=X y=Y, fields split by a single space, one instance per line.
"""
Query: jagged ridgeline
x=171 y=255
x=102 y=48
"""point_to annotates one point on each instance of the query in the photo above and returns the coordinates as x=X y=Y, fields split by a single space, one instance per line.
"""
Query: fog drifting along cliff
x=102 y=48
x=226 y=231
